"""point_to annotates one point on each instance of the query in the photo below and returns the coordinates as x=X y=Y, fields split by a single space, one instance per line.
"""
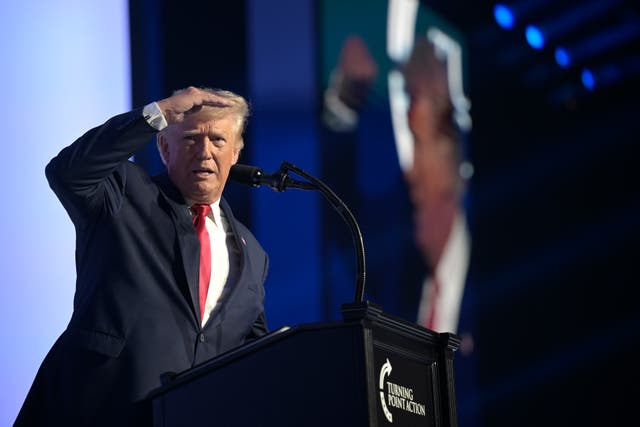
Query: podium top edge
x=373 y=313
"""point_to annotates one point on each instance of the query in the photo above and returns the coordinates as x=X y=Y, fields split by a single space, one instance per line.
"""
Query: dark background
x=553 y=205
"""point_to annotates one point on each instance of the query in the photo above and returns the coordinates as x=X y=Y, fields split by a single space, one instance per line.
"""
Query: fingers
x=356 y=62
x=220 y=103
x=202 y=98
x=356 y=72
x=190 y=101
x=216 y=104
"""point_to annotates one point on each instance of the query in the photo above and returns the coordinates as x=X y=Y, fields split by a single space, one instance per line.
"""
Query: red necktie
x=199 y=222
x=433 y=303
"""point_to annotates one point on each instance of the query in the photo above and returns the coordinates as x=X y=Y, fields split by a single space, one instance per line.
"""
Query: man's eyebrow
x=191 y=132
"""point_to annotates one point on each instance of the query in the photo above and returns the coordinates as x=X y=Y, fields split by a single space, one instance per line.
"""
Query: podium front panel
x=312 y=378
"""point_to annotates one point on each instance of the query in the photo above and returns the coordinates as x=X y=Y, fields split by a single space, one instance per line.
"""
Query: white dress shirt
x=451 y=272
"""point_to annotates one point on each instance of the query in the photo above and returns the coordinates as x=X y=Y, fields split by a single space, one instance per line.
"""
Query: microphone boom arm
x=280 y=181
x=341 y=208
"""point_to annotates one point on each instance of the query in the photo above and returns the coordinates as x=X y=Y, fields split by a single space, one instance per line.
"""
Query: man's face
x=199 y=153
x=433 y=179
x=434 y=171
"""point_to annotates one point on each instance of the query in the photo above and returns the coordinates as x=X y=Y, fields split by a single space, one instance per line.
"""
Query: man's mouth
x=203 y=172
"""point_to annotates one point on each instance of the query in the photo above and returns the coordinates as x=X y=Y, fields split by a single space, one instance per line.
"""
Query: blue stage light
x=588 y=79
x=540 y=33
x=515 y=11
x=562 y=57
x=504 y=16
x=611 y=73
x=595 y=44
x=534 y=36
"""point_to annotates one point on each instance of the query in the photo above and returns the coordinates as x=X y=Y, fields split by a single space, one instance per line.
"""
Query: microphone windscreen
x=244 y=174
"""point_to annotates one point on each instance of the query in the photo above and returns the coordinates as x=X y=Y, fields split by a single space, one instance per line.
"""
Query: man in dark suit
x=153 y=296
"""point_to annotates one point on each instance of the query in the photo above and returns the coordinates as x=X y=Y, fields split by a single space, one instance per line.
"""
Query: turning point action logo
x=397 y=396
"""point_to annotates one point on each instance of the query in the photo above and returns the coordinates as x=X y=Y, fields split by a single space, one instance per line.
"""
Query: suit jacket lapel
x=187 y=239
x=190 y=246
x=240 y=241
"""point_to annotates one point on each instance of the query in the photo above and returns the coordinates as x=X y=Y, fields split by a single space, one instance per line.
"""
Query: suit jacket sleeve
x=89 y=175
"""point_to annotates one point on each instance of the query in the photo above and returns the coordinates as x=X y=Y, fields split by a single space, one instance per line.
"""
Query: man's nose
x=205 y=149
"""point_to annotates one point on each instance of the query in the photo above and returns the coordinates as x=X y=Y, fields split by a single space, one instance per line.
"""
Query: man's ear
x=236 y=155
x=163 y=147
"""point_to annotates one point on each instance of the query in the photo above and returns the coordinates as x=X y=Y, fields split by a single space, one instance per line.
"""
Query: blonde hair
x=239 y=108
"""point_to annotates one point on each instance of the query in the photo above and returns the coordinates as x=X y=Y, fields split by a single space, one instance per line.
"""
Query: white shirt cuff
x=336 y=114
x=153 y=115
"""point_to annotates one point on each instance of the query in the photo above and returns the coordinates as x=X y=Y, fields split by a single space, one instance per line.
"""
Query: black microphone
x=255 y=177
x=245 y=174
x=280 y=181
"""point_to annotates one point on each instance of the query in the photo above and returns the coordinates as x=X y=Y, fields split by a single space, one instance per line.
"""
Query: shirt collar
x=214 y=215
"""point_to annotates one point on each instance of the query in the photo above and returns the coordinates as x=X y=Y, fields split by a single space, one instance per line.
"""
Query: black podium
x=371 y=369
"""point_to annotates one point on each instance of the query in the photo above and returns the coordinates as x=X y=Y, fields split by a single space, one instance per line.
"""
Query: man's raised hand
x=187 y=101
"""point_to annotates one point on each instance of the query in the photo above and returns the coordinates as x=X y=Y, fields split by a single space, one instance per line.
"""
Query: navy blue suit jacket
x=135 y=311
